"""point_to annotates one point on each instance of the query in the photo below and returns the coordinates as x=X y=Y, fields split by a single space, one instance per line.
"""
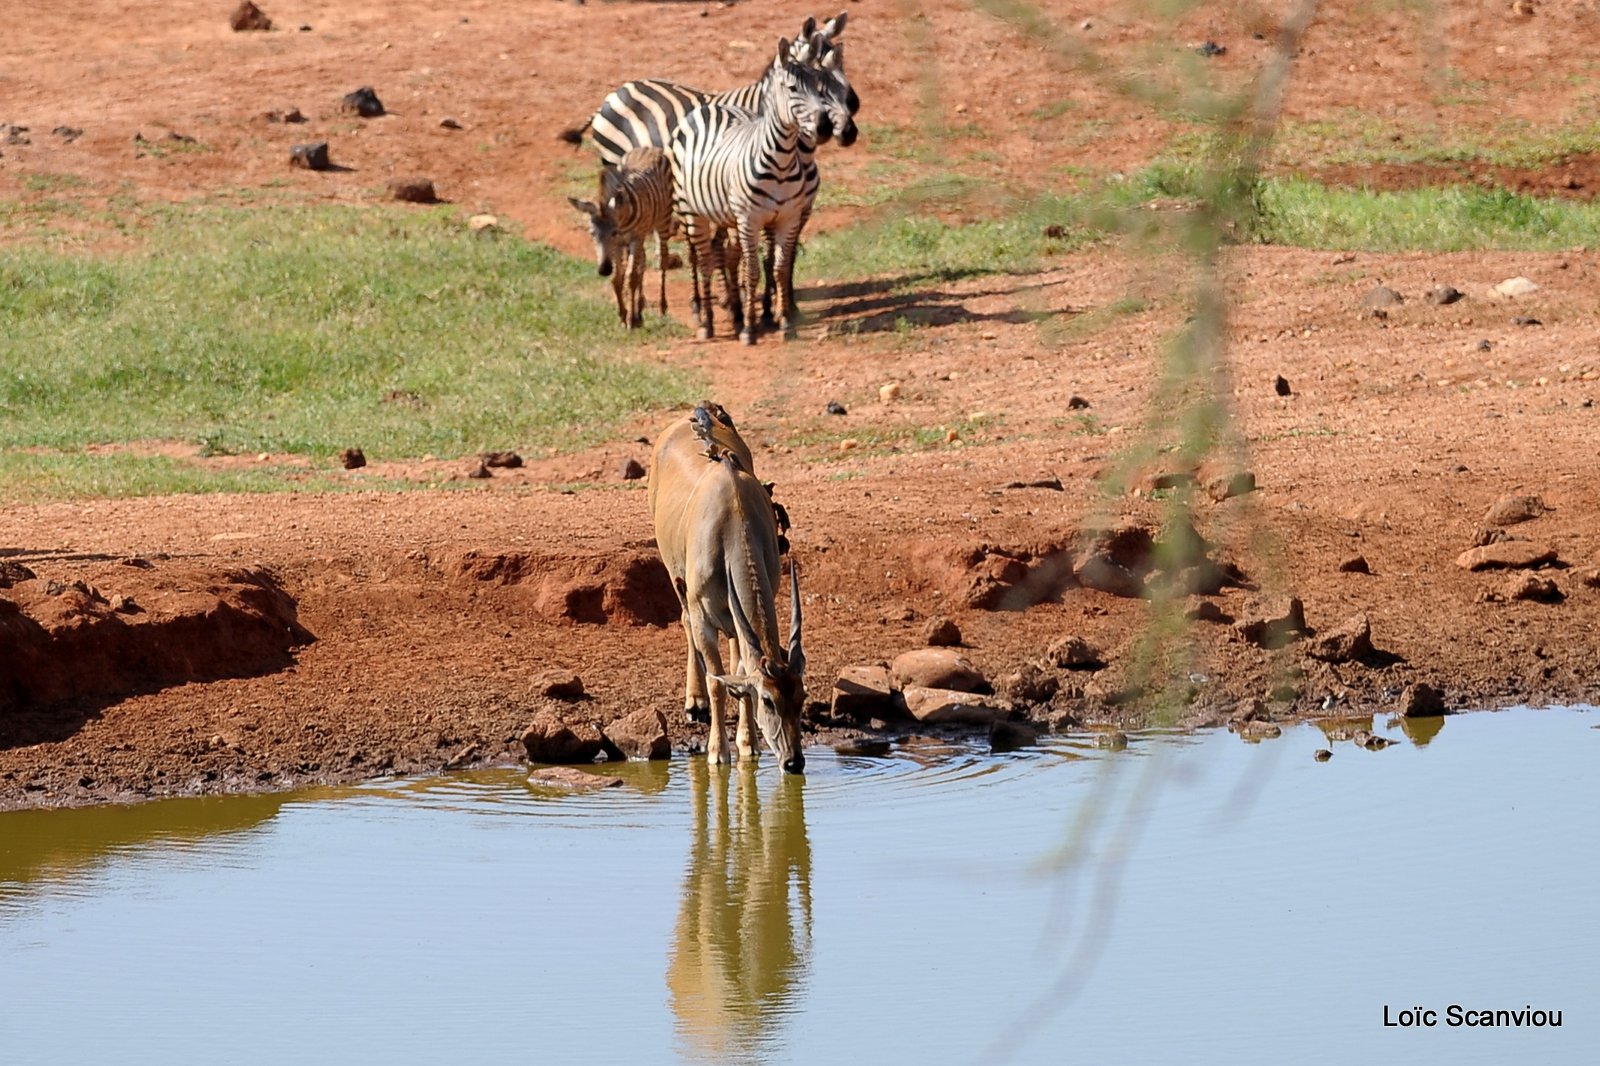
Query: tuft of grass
x=294 y=330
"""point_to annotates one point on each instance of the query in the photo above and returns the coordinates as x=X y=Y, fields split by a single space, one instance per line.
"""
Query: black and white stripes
x=635 y=201
x=745 y=172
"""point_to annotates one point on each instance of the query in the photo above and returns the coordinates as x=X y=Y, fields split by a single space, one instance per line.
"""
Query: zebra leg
x=618 y=278
x=750 y=277
x=701 y=266
x=783 y=266
x=766 y=292
x=636 y=283
x=661 y=241
x=730 y=282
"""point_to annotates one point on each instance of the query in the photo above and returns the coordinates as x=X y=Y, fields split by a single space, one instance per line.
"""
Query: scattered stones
x=483 y=224
x=1356 y=564
x=449 y=124
x=941 y=632
x=1010 y=736
x=15 y=136
x=1275 y=624
x=1507 y=555
x=1421 y=700
x=1248 y=710
x=1525 y=320
x=1111 y=740
x=463 y=757
x=1514 y=287
x=1370 y=741
x=363 y=102
x=550 y=740
x=1227 y=486
x=67 y=133
x=1350 y=641
x=247 y=16
x=1525 y=586
x=1259 y=729
x=630 y=470
x=1382 y=296
x=412 y=190
x=122 y=604
x=936 y=668
x=289 y=117
x=1051 y=483
x=863 y=691
x=1211 y=49
x=1074 y=653
x=1322 y=755
x=572 y=779
x=1280 y=385
x=1443 y=295
x=1510 y=510
x=559 y=685
x=505 y=460
x=1589 y=577
x=352 y=459
x=836 y=408
x=889 y=393
x=1055 y=231
x=1077 y=403
x=640 y=735
x=1028 y=684
x=310 y=156
x=942 y=706
x=479 y=470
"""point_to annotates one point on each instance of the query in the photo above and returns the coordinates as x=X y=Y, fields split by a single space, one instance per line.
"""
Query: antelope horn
x=797 y=655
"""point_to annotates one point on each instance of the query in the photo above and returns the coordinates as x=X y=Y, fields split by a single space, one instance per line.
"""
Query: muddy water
x=1224 y=902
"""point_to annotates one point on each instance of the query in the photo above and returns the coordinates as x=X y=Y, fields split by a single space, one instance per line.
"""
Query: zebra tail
x=574 y=136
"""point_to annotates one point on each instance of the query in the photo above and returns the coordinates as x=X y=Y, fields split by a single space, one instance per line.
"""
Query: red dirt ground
x=280 y=639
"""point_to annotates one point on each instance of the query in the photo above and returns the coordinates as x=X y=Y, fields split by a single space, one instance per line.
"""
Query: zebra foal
x=745 y=172
x=635 y=201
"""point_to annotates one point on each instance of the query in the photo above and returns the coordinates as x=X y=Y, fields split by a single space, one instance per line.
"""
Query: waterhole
x=1188 y=898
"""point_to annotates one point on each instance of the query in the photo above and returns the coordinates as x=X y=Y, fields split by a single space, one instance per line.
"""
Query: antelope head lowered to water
x=717 y=531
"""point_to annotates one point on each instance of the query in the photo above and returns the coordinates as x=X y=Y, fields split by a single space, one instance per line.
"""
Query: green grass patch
x=34 y=477
x=307 y=330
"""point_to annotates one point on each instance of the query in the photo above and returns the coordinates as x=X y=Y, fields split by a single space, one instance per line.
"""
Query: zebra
x=648 y=111
x=743 y=171
x=635 y=201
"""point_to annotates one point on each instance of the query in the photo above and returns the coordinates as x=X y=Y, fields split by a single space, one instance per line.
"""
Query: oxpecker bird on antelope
x=717 y=529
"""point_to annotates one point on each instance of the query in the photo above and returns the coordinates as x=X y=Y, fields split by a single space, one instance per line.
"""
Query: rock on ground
x=1028 y=684
x=640 y=735
x=1421 y=700
x=941 y=632
x=864 y=691
x=939 y=706
x=550 y=740
x=1510 y=510
x=559 y=685
x=1350 y=641
x=572 y=779
x=1074 y=653
x=1275 y=623
x=1507 y=555
x=936 y=668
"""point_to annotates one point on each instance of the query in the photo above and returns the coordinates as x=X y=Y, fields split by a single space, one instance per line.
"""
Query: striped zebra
x=635 y=201
x=743 y=172
x=648 y=111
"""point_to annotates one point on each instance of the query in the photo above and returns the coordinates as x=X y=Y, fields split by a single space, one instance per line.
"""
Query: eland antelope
x=717 y=530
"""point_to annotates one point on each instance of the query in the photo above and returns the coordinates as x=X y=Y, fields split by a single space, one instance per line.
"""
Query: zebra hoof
x=747 y=337
x=703 y=333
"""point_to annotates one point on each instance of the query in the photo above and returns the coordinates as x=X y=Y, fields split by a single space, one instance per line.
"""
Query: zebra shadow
x=885 y=304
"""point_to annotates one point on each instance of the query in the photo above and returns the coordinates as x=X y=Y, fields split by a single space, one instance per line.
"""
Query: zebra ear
x=783 y=51
x=810 y=26
x=585 y=206
x=835 y=26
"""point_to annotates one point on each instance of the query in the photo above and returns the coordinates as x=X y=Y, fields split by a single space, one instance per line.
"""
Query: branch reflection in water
x=742 y=946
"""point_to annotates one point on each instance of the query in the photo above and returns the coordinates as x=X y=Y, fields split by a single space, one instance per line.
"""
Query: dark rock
x=1248 y=710
x=1356 y=564
x=572 y=779
x=1511 y=510
x=1052 y=483
x=864 y=691
x=941 y=632
x=352 y=459
x=312 y=156
x=1074 y=653
x=630 y=470
x=464 y=757
x=1275 y=624
x=1028 y=684
x=363 y=102
x=1227 y=486
x=640 y=735
x=1211 y=49
x=1322 y=755
x=1370 y=741
x=1507 y=555
x=122 y=604
x=1259 y=729
x=479 y=470
x=1077 y=403
x=1441 y=295
x=864 y=747
x=449 y=124
x=550 y=740
x=291 y=116
x=1350 y=641
x=67 y=133
x=15 y=136
x=1055 y=231
x=1525 y=320
x=1010 y=736
x=507 y=460
x=11 y=573
x=936 y=668
x=1280 y=385
x=836 y=408
x=1111 y=740
x=248 y=16
x=1531 y=587
x=412 y=190
x=559 y=685
x=1485 y=346
x=1421 y=700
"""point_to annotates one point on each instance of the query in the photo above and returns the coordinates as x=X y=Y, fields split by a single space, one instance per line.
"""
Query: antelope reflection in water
x=743 y=940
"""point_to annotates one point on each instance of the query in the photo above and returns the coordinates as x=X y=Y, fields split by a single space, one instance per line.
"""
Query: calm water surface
x=1190 y=899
